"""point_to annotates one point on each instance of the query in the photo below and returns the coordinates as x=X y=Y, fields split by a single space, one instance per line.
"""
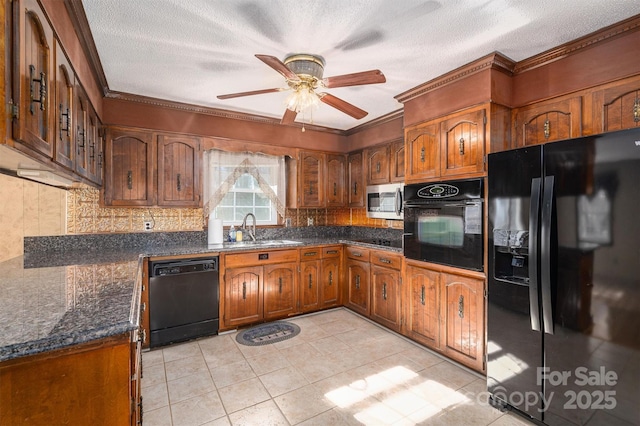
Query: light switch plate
x=309 y=221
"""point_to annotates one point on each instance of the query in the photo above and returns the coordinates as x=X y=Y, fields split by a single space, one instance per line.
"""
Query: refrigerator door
x=592 y=315
x=514 y=338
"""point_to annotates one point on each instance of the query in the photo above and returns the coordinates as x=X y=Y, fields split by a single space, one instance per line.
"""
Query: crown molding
x=376 y=122
x=495 y=60
x=81 y=25
x=215 y=112
x=604 y=34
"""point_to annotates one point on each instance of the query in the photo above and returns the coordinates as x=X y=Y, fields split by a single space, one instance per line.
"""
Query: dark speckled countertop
x=59 y=298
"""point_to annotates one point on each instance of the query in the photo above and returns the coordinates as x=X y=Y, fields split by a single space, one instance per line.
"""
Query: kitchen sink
x=264 y=243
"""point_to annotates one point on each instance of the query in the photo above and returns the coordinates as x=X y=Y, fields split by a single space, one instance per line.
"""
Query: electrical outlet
x=287 y=222
x=309 y=221
x=148 y=226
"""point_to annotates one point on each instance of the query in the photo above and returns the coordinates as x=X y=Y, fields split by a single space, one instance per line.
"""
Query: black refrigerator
x=563 y=315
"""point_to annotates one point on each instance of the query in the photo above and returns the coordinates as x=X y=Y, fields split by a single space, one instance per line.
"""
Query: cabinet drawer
x=331 y=252
x=358 y=253
x=388 y=260
x=260 y=257
x=311 y=253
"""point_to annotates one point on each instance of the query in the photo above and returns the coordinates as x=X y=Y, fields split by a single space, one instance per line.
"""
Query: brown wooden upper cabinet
x=33 y=77
x=316 y=179
x=377 y=164
x=455 y=146
x=129 y=168
x=617 y=106
x=396 y=158
x=336 y=169
x=548 y=121
x=179 y=171
x=355 y=180
x=64 y=153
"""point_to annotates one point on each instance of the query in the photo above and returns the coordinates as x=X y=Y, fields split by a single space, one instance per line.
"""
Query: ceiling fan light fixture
x=305 y=65
x=302 y=98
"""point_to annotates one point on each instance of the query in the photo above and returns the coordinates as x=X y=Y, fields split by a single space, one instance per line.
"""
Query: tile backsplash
x=86 y=216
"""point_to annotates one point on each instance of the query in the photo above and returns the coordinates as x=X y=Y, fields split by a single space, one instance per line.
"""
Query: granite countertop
x=66 y=298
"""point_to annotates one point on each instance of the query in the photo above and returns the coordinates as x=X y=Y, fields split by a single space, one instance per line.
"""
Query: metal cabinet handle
x=311 y=253
x=356 y=254
x=332 y=251
x=310 y=281
x=384 y=291
x=244 y=290
x=461 y=306
x=422 y=154
x=130 y=179
x=636 y=110
x=280 y=285
x=310 y=188
x=335 y=189
x=357 y=282
x=42 y=98
x=547 y=129
x=143 y=307
x=461 y=146
x=66 y=121
x=92 y=147
x=178 y=182
x=355 y=188
x=378 y=167
x=330 y=277
x=384 y=260
x=422 y=295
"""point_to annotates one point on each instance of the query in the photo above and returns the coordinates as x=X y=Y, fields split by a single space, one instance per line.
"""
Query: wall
x=28 y=209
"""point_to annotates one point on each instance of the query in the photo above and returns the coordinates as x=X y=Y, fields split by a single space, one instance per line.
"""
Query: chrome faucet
x=252 y=234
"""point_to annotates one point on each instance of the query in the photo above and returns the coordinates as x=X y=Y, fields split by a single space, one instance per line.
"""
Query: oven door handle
x=470 y=203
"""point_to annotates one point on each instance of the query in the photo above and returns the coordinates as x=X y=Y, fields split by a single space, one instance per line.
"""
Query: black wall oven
x=443 y=223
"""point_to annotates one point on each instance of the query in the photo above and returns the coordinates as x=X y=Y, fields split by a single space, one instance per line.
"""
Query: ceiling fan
x=303 y=74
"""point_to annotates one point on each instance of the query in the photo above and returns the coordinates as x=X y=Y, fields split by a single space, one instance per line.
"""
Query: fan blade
x=343 y=106
x=279 y=66
x=355 y=79
x=254 y=92
x=288 y=117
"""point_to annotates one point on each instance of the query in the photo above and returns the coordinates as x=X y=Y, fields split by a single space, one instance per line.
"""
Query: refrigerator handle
x=545 y=254
x=534 y=224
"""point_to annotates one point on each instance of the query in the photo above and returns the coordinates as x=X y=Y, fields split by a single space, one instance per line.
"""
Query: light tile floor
x=340 y=370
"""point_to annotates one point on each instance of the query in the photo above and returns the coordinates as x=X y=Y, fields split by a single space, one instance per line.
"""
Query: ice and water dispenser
x=511 y=255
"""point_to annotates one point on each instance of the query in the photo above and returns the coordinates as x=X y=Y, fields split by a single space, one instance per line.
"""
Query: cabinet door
x=355 y=180
x=312 y=179
x=33 y=77
x=336 y=168
x=396 y=168
x=129 y=174
x=358 y=282
x=462 y=309
x=548 y=121
x=423 y=307
x=309 y=285
x=242 y=298
x=279 y=290
x=179 y=171
x=329 y=282
x=422 y=153
x=377 y=163
x=64 y=151
x=385 y=297
x=80 y=117
x=617 y=107
x=463 y=144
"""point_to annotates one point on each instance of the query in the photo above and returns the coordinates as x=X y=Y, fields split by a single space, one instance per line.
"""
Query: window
x=241 y=183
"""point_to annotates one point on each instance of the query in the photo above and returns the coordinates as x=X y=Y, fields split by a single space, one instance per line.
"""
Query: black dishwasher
x=183 y=300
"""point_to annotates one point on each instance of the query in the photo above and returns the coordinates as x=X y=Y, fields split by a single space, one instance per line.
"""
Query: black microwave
x=443 y=223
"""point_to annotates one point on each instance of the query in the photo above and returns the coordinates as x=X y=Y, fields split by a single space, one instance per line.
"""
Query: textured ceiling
x=193 y=50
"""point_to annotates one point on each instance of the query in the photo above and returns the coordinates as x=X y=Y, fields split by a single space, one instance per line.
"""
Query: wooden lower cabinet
x=320 y=275
x=91 y=384
x=242 y=296
x=280 y=290
x=330 y=276
x=386 y=283
x=358 y=280
x=445 y=311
